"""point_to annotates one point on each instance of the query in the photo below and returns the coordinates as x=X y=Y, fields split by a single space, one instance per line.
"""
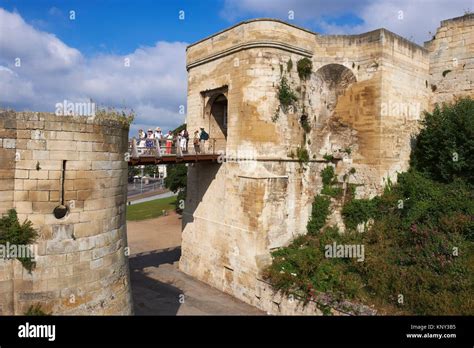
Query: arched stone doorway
x=215 y=116
x=218 y=112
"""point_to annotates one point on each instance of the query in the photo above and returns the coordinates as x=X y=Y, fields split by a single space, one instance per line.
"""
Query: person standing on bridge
x=158 y=137
x=186 y=138
x=202 y=139
x=169 y=142
x=182 y=140
x=196 y=143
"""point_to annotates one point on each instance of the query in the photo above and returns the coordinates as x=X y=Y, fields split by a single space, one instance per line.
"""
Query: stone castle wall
x=81 y=263
x=452 y=59
x=366 y=92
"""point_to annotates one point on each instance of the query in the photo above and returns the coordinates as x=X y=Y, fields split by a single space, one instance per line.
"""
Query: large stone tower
x=362 y=99
x=48 y=161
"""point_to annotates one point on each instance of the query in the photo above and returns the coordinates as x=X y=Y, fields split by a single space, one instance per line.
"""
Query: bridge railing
x=163 y=148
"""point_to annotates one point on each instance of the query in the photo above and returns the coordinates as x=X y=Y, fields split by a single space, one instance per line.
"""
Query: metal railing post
x=157 y=147
x=134 y=148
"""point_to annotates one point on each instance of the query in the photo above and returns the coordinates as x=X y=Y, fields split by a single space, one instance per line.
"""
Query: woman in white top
x=182 y=141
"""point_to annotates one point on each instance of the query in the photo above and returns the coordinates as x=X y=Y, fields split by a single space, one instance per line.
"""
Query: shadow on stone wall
x=201 y=177
x=150 y=296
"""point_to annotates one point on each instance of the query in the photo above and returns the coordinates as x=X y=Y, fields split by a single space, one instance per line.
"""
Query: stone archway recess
x=217 y=111
x=330 y=82
x=215 y=116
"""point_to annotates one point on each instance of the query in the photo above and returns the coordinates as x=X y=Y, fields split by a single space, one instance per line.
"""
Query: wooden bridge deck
x=169 y=159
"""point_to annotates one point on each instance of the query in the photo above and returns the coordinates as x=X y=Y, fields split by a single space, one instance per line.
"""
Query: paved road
x=152 y=198
x=158 y=287
x=136 y=188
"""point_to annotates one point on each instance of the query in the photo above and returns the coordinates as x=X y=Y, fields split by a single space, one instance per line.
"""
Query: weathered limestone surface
x=81 y=267
x=366 y=92
x=451 y=54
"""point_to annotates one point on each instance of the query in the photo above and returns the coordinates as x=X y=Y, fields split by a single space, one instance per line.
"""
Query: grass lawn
x=149 y=210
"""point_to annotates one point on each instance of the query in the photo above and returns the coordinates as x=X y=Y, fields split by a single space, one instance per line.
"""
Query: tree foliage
x=176 y=177
x=444 y=149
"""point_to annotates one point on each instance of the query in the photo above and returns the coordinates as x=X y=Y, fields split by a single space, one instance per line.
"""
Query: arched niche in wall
x=327 y=84
x=215 y=112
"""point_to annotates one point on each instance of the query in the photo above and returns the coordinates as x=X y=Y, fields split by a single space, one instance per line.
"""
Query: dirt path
x=158 y=287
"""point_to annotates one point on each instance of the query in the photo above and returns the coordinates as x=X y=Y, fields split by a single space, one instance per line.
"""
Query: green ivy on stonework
x=14 y=233
x=285 y=94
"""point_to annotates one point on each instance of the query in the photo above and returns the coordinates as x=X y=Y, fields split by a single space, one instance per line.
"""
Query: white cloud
x=419 y=17
x=154 y=84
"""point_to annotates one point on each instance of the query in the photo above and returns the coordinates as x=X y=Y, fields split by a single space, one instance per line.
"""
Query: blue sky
x=121 y=26
x=82 y=58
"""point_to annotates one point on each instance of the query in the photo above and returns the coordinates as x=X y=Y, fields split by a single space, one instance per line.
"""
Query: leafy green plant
x=124 y=116
x=328 y=157
x=176 y=178
x=285 y=94
x=332 y=191
x=289 y=65
x=12 y=232
x=302 y=154
x=444 y=147
x=176 y=181
x=347 y=150
x=358 y=211
x=327 y=175
x=423 y=249
x=36 y=310
x=319 y=213
x=304 y=67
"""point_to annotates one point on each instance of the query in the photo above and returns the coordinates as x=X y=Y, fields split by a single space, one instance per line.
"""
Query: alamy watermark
x=68 y=108
x=12 y=251
x=409 y=110
x=335 y=250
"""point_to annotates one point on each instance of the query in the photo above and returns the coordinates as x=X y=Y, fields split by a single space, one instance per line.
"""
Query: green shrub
x=444 y=149
x=12 y=232
x=304 y=67
x=302 y=267
x=319 y=214
x=285 y=94
x=358 y=211
x=327 y=175
x=328 y=157
x=36 y=310
x=302 y=154
x=124 y=116
x=422 y=249
x=176 y=178
x=329 y=179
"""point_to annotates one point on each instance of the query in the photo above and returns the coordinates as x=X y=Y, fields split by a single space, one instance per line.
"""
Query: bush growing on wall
x=319 y=213
x=286 y=96
x=444 y=149
x=15 y=233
